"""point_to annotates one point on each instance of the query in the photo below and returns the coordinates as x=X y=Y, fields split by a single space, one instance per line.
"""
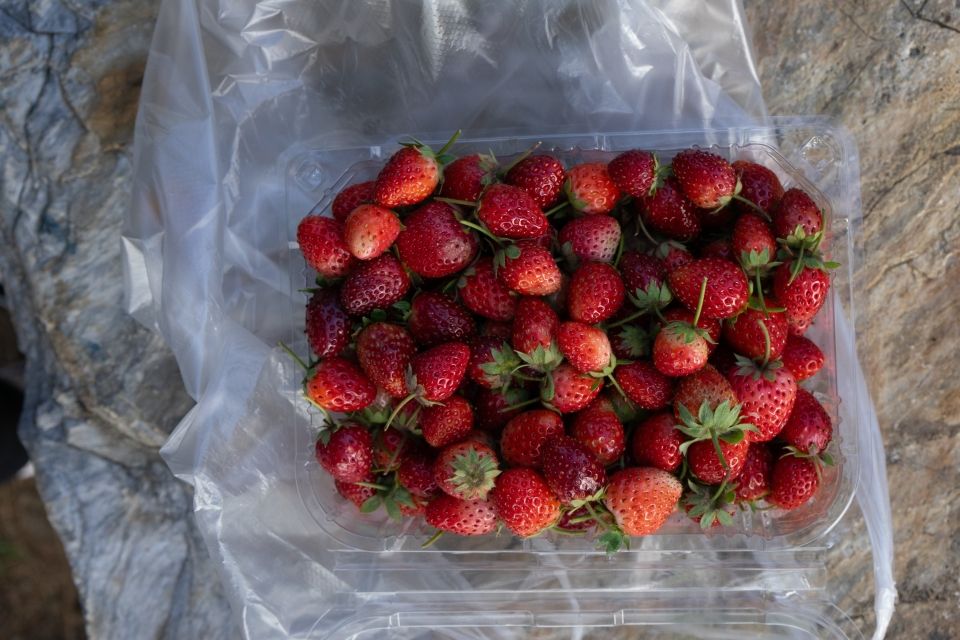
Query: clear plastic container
x=762 y=578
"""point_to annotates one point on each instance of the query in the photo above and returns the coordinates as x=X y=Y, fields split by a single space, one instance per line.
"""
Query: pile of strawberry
x=570 y=349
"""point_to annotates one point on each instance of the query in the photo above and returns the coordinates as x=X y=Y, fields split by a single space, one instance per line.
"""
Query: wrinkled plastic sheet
x=232 y=87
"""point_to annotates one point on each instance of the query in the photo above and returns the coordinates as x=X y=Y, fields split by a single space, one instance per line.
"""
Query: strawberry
x=322 y=245
x=435 y=318
x=718 y=248
x=595 y=293
x=766 y=392
x=415 y=473
x=522 y=440
x=524 y=502
x=599 y=429
x=492 y=407
x=438 y=371
x=410 y=175
x=681 y=314
x=462 y=517
x=759 y=186
x=434 y=244
x=641 y=499
x=528 y=269
x=635 y=172
x=510 y=212
x=540 y=176
x=656 y=443
x=466 y=470
x=705 y=178
x=802 y=357
x=466 y=177
x=669 y=212
x=673 y=255
x=586 y=348
x=370 y=230
x=753 y=243
x=389 y=447
x=793 y=482
x=809 y=428
x=796 y=209
x=384 y=351
x=484 y=294
x=803 y=296
x=640 y=270
x=328 y=326
x=707 y=386
x=716 y=443
x=569 y=391
x=708 y=506
x=679 y=350
x=376 y=284
x=726 y=290
x=590 y=189
x=336 y=384
x=352 y=197
x=535 y=333
x=745 y=332
x=571 y=471
x=444 y=424
x=576 y=520
x=754 y=480
x=707 y=466
x=347 y=454
x=492 y=362
x=356 y=493
x=644 y=385
x=629 y=341
x=590 y=238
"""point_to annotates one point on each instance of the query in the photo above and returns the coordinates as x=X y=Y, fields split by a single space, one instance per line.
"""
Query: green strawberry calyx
x=473 y=474
x=713 y=424
x=710 y=504
x=500 y=371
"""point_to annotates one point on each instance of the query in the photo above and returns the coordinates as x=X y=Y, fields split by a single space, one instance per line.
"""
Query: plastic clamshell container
x=768 y=566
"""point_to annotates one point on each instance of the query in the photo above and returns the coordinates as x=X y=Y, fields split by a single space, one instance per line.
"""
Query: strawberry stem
x=703 y=293
x=483 y=230
x=432 y=539
x=756 y=275
x=752 y=205
x=465 y=203
x=716 y=447
x=523 y=156
x=643 y=228
x=766 y=342
x=397 y=409
x=296 y=358
x=519 y=405
x=629 y=318
x=619 y=253
x=453 y=138
x=559 y=207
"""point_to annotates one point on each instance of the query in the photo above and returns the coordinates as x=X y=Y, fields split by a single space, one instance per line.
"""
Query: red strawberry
x=710 y=325
x=726 y=290
x=466 y=177
x=322 y=245
x=744 y=332
x=348 y=453
x=634 y=172
x=376 y=284
x=462 y=517
x=355 y=493
x=753 y=242
x=796 y=208
x=408 y=177
x=568 y=390
x=679 y=350
x=491 y=407
x=706 y=178
x=571 y=471
x=809 y=428
x=523 y=437
x=793 y=482
x=586 y=348
x=384 y=351
x=642 y=499
x=352 y=197
x=540 y=176
x=510 y=212
x=595 y=293
x=328 y=326
x=656 y=442
x=535 y=333
x=492 y=362
x=524 y=502
x=706 y=465
x=719 y=248
x=766 y=393
x=435 y=318
x=644 y=385
x=390 y=446
x=705 y=386
x=591 y=238
x=484 y=294
x=803 y=297
x=759 y=185
x=590 y=188
x=338 y=385
x=415 y=473
x=438 y=371
x=370 y=230
x=444 y=424
x=802 y=357
x=640 y=270
x=669 y=212
x=466 y=470
x=599 y=429
x=754 y=480
x=529 y=270
x=717 y=444
x=673 y=255
x=434 y=244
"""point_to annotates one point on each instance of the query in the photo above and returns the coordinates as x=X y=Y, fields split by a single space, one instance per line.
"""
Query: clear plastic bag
x=240 y=96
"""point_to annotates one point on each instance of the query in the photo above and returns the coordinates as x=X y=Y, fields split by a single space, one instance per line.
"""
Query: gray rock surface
x=102 y=392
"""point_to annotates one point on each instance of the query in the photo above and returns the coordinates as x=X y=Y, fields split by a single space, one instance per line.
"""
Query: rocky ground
x=99 y=398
